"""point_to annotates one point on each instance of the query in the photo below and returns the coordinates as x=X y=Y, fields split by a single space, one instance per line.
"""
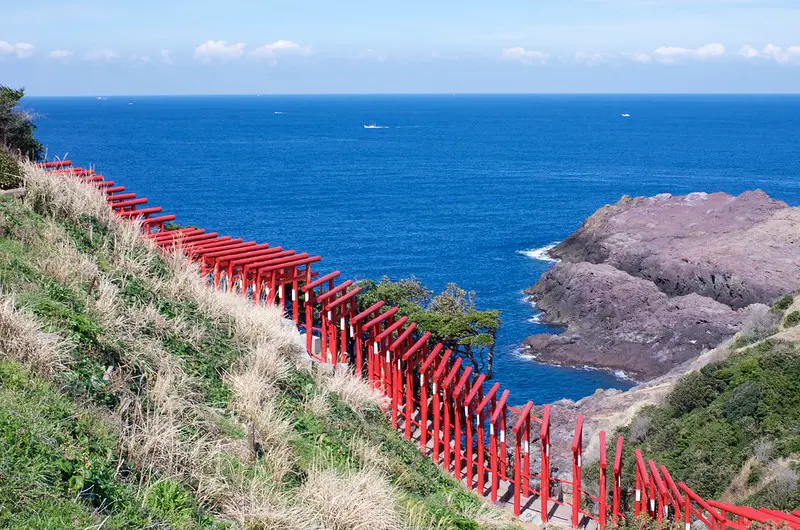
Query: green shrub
x=743 y=402
x=792 y=319
x=16 y=126
x=783 y=304
x=9 y=171
x=714 y=420
x=694 y=390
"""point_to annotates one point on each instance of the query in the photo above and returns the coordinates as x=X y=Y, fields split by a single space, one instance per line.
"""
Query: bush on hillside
x=16 y=126
x=783 y=304
x=714 y=420
x=695 y=390
x=792 y=319
x=9 y=171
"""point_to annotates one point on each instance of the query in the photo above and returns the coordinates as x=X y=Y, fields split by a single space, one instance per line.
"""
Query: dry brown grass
x=22 y=340
x=353 y=391
x=58 y=197
x=353 y=500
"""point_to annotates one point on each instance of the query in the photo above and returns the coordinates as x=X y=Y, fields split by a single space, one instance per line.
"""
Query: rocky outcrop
x=621 y=322
x=651 y=282
x=736 y=250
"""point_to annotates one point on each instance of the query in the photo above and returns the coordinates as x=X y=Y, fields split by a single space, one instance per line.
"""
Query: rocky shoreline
x=650 y=283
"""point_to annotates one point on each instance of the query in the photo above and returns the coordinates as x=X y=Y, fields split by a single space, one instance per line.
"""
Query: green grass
x=59 y=468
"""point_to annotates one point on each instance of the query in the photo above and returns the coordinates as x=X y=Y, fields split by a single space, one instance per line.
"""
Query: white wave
x=541 y=253
x=536 y=319
x=278 y=112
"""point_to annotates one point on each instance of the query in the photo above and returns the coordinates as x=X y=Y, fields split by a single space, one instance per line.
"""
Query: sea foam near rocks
x=541 y=253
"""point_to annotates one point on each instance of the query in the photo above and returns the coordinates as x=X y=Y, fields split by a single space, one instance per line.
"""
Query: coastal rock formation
x=651 y=282
x=736 y=250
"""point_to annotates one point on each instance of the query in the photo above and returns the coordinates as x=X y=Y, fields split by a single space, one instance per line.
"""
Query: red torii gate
x=342 y=308
x=309 y=289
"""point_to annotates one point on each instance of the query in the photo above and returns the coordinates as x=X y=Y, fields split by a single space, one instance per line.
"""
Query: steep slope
x=136 y=397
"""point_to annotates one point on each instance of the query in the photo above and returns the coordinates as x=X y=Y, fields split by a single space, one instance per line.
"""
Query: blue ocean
x=462 y=188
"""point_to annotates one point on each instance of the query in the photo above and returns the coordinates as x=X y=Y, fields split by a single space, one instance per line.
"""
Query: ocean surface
x=464 y=189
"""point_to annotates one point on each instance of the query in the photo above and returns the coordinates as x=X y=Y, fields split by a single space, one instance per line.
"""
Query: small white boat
x=626 y=115
x=374 y=126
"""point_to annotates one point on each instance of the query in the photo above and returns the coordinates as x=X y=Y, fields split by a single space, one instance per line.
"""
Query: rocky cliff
x=651 y=282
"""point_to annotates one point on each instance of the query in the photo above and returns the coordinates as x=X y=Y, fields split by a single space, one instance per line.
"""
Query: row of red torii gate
x=435 y=399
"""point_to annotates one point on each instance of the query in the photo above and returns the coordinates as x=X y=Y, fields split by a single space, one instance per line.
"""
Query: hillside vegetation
x=731 y=430
x=132 y=396
x=16 y=137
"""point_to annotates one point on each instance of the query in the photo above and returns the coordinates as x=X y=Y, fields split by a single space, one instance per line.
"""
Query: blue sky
x=91 y=47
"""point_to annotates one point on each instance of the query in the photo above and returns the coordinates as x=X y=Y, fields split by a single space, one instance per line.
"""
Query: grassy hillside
x=133 y=397
x=731 y=431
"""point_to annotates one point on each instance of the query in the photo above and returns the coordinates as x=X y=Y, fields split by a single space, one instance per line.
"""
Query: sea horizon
x=359 y=94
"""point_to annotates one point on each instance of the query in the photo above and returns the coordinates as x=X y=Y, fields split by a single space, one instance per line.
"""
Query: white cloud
x=165 y=57
x=748 y=52
x=524 y=56
x=281 y=47
x=640 y=57
x=101 y=54
x=372 y=55
x=20 y=50
x=590 y=59
x=772 y=52
x=671 y=54
x=140 y=58
x=218 y=49
x=61 y=55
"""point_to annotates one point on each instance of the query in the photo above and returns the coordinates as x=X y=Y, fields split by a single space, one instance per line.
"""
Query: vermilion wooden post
x=602 y=494
x=344 y=307
x=544 y=436
x=640 y=499
x=617 y=493
x=474 y=393
x=397 y=349
x=457 y=403
x=468 y=463
x=503 y=443
x=687 y=513
x=359 y=331
x=496 y=427
x=410 y=358
x=673 y=494
x=660 y=491
x=577 y=464
x=447 y=402
x=378 y=368
x=309 y=306
x=652 y=498
x=432 y=357
x=391 y=371
x=521 y=461
x=437 y=405
x=481 y=415
x=526 y=458
x=517 y=475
